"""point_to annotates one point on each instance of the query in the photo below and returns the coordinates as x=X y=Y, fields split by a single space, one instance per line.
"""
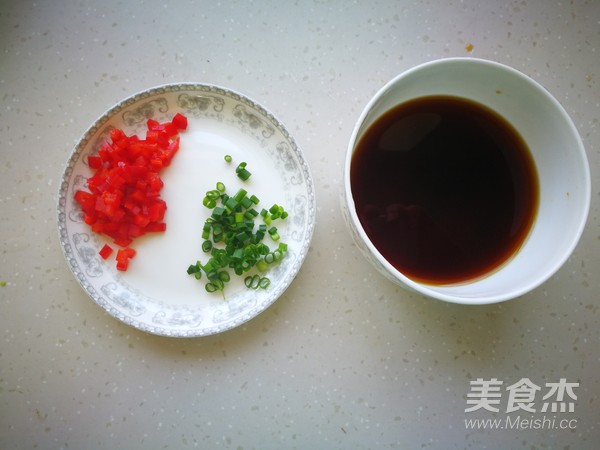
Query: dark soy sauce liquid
x=445 y=189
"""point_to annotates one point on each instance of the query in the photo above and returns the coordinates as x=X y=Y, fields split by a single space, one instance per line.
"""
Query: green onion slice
x=234 y=241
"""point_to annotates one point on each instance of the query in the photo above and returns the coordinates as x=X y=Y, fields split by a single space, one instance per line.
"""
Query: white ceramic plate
x=156 y=294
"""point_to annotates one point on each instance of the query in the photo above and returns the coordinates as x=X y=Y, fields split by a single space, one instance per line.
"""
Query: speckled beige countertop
x=344 y=359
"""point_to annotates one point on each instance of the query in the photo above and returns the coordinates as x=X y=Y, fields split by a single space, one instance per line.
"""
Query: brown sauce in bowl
x=445 y=188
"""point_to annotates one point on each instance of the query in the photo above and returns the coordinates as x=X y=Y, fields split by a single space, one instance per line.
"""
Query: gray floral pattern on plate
x=166 y=316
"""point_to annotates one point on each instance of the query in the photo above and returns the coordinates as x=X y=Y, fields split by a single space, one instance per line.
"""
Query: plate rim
x=63 y=195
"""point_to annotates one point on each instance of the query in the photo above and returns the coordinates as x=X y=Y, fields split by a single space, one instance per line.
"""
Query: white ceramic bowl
x=558 y=152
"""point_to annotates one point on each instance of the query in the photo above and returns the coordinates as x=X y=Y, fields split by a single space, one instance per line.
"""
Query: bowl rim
x=428 y=290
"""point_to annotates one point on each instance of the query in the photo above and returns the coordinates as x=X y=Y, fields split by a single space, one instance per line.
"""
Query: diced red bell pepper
x=94 y=162
x=85 y=199
x=116 y=134
x=105 y=251
x=154 y=227
x=170 y=129
x=123 y=257
x=180 y=121
x=124 y=201
x=164 y=139
x=153 y=124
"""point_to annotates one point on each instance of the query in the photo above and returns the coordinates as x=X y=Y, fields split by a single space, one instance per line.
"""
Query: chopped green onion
x=237 y=254
x=277 y=255
x=261 y=265
x=232 y=238
x=250 y=214
x=209 y=202
x=256 y=281
x=214 y=194
x=207 y=246
x=246 y=203
x=240 y=195
x=231 y=204
x=218 y=212
x=206 y=230
x=194 y=268
x=242 y=172
x=224 y=276
x=249 y=281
